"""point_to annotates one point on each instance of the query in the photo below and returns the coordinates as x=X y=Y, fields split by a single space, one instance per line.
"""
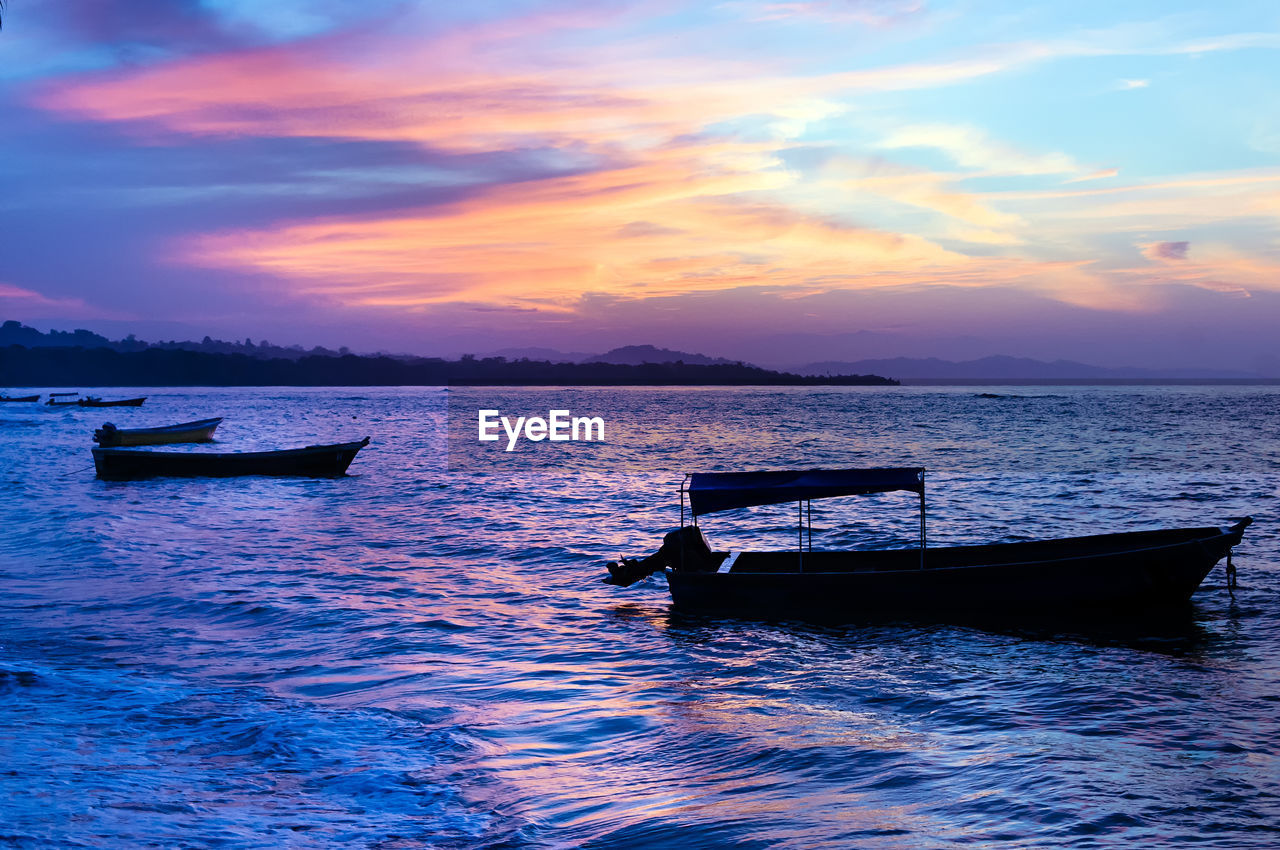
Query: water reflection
x=416 y=656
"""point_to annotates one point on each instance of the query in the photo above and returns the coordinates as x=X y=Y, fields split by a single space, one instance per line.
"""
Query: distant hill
x=547 y=355
x=1006 y=368
x=637 y=355
x=542 y=365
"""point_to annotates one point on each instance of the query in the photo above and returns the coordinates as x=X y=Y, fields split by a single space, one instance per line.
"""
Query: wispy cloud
x=1100 y=174
x=875 y=13
x=970 y=147
x=937 y=193
x=16 y=300
x=1215 y=267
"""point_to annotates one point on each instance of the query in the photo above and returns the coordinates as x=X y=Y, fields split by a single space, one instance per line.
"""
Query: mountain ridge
x=1005 y=366
x=638 y=355
x=914 y=369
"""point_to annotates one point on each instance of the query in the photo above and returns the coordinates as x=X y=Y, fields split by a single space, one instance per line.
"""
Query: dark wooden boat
x=1131 y=572
x=94 y=401
x=200 y=431
x=312 y=461
x=4 y=398
x=63 y=400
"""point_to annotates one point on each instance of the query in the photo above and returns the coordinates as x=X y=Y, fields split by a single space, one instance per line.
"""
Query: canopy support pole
x=800 y=533
x=684 y=486
x=809 y=504
x=922 y=527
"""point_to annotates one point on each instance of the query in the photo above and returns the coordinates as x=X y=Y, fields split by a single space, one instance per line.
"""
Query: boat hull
x=331 y=461
x=4 y=398
x=122 y=402
x=1143 y=571
x=200 y=431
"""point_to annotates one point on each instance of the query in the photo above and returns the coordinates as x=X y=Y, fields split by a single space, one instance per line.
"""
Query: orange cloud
x=553 y=239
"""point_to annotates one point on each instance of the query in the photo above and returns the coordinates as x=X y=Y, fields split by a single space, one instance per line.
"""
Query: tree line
x=78 y=366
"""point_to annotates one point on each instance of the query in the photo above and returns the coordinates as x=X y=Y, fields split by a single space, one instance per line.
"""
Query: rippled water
x=414 y=656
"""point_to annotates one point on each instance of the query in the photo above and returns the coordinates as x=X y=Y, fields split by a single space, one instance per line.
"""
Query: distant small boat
x=94 y=401
x=329 y=461
x=200 y=431
x=1131 y=572
x=56 y=395
x=4 y=398
x=62 y=400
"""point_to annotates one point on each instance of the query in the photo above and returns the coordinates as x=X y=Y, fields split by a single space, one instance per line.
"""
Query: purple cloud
x=1166 y=250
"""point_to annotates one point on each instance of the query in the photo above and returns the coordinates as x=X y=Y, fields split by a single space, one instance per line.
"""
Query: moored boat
x=200 y=431
x=4 y=398
x=328 y=461
x=63 y=400
x=1131 y=572
x=94 y=401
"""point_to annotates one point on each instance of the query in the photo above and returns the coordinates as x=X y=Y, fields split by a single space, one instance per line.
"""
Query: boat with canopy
x=1129 y=571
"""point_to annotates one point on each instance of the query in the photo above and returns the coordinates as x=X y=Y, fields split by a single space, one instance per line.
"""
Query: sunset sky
x=778 y=181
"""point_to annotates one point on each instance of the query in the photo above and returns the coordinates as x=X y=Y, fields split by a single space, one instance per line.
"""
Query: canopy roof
x=722 y=491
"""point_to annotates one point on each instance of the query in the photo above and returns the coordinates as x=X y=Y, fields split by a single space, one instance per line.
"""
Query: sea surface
x=422 y=654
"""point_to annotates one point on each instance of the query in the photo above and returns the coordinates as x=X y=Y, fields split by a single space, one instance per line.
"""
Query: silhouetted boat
x=4 y=398
x=1128 y=572
x=312 y=461
x=200 y=431
x=94 y=401
x=63 y=400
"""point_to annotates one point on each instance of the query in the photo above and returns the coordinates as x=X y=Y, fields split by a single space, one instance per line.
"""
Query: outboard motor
x=687 y=549
x=106 y=435
x=682 y=549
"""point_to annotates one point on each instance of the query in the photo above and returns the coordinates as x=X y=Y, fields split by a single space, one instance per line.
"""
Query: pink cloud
x=876 y=13
x=29 y=303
